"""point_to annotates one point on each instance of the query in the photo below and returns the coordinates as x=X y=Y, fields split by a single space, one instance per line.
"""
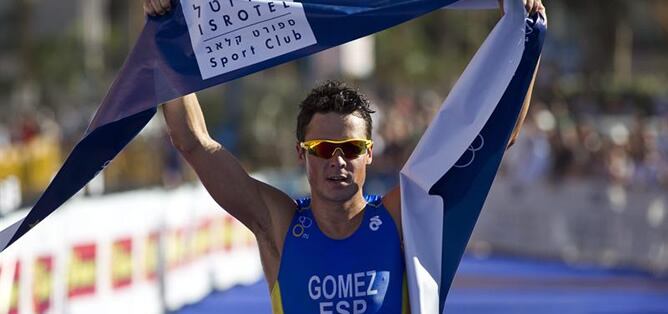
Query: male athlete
x=338 y=251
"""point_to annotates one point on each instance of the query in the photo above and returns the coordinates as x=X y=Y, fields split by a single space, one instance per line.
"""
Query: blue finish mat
x=503 y=285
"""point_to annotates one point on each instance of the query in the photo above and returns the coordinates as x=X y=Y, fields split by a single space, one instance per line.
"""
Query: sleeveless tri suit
x=363 y=273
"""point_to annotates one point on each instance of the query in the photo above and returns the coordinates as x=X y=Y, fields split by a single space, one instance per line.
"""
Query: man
x=338 y=251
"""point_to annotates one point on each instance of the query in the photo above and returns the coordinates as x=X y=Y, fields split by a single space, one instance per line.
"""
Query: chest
x=360 y=274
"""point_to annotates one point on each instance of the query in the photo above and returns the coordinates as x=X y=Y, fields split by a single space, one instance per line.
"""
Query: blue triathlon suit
x=363 y=273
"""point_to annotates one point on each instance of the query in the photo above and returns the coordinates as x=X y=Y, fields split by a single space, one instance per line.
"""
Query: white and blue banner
x=446 y=180
x=202 y=43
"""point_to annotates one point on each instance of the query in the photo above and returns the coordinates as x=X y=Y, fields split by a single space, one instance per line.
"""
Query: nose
x=337 y=159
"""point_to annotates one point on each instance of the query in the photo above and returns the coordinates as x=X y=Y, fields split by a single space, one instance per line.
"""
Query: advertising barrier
x=133 y=252
x=579 y=221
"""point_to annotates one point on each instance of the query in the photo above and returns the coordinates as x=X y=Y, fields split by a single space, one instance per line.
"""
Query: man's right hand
x=157 y=7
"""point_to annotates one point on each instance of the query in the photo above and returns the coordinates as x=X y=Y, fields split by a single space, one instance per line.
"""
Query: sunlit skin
x=336 y=203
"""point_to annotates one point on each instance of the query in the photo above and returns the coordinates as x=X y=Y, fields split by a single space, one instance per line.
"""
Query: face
x=336 y=179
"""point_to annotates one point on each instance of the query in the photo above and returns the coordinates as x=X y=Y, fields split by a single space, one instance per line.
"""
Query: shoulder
x=281 y=209
x=392 y=202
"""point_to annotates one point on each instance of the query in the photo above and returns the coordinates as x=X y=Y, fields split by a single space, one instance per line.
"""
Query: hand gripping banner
x=202 y=43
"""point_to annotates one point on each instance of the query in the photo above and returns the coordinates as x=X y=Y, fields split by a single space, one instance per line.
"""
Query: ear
x=369 y=153
x=301 y=157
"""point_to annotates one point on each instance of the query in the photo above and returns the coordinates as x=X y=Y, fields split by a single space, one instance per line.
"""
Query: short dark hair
x=333 y=96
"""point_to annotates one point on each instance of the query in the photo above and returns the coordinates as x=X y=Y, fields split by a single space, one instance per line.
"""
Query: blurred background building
x=595 y=140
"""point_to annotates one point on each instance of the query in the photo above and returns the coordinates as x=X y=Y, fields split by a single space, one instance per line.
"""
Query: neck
x=338 y=219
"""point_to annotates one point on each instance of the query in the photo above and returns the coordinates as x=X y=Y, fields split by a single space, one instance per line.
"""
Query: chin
x=341 y=195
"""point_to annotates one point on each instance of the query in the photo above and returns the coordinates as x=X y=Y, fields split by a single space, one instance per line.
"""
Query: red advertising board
x=121 y=263
x=229 y=232
x=42 y=283
x=203 y=238
x=16 y=291
x=217 y=226
x=82 y=277
x=151 y=255
x=176 y=248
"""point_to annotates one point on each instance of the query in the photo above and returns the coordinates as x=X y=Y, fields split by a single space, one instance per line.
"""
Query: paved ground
x=503 y=285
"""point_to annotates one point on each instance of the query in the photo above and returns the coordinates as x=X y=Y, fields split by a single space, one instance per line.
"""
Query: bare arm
x=256 y=204
x=265 y=210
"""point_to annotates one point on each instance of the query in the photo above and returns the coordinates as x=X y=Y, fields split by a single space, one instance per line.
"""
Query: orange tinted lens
x=353 y=149
x=323 y=150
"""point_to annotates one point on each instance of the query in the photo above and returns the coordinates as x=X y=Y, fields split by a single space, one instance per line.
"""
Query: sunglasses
x=351 y=148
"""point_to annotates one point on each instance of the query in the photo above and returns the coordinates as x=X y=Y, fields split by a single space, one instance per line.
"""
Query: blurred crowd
x=34 y=145
x=560 y=142
x=612 y=139
x=619 y=138
x=30 y=153
x=615 y=139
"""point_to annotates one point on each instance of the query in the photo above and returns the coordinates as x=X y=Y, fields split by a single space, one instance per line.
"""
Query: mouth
x=338 y=178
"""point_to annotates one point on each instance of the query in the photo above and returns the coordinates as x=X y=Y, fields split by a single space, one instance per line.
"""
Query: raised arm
x=264 y=209
x=257 y=205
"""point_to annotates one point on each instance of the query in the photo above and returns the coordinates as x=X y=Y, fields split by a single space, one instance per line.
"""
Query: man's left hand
x=533 y=6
